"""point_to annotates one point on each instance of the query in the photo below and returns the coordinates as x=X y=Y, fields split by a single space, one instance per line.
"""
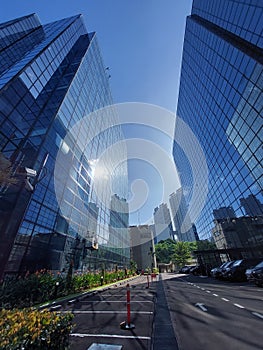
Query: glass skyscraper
x=221 y=99
x=52 y=77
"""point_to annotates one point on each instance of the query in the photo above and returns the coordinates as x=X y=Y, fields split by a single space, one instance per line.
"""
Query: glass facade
x=52 y=77
x=221 y=99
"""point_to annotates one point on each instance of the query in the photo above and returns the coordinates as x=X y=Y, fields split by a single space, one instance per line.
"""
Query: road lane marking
x=257 y=314
x=216 y=295
x=240 y=306
x=208 y=291
x=107 y=312
x=203 y=288
x=118 y=301
x=82 y=335
x=113 y=295
x=201 y=306
x=224 y=299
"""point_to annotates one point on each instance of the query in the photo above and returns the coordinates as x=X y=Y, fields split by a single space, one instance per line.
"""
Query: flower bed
x=44 y=286
x=30 y=329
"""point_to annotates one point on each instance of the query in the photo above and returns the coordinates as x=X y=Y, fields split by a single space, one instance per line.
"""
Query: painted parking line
x=225 y=299
x=118 y=301
x=240 y=306
x=108 y=312
x=83 y=335
x=216 y=295
x=257 y=314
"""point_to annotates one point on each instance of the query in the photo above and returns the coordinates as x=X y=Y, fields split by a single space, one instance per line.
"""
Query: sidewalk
x=163 y=333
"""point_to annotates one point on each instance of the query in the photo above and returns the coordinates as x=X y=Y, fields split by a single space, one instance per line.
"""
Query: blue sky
x=140 y=40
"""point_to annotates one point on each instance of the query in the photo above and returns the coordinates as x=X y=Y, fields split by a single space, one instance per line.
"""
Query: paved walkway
x=164 y=336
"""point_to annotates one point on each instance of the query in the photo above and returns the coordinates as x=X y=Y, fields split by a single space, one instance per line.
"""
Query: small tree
x=69 y=275
x=181 y=253
x=133 y=265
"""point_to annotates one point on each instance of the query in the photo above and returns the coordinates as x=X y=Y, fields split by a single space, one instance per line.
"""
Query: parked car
x=257 y=274
x=248 y=274
x=216 y=271
x=236 y=272
x=197 y=270
x=186 y=269
x=223 y=271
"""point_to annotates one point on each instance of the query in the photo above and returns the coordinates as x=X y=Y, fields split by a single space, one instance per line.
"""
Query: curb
x=57 y=304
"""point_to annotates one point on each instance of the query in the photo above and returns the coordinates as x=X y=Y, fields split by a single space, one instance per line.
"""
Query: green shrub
x=30 y=329
x=44 y=286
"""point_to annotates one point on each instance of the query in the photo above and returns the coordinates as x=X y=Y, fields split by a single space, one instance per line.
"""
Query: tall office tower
x=183 y=226
x=220 y=98
x=119 y=237
x=252 y=206
x=52 y=78
x=162 y=223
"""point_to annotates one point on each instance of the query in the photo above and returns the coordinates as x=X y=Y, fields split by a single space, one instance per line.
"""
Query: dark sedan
x=237 y=272
x=216 y=271
x=257 y=274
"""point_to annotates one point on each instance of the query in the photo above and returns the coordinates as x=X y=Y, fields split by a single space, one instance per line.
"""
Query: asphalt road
x=178 y=312
x=98 y=318
x=209 y=314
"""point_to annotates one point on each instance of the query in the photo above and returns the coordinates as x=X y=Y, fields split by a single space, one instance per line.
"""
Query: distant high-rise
x=52 y=77
x=181 y=219
x=220 y=98
x=252 y=206
x=162 y=223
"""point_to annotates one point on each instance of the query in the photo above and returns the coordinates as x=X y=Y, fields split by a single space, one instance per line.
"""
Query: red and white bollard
x=127 y=324
x=148 y=281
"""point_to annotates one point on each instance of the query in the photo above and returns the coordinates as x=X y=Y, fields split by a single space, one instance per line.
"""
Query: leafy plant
x=30 y=329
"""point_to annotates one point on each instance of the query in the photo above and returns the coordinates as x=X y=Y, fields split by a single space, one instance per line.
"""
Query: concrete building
x=252 y=206
x=242 y=232
x=142 y=247
x=224 y=213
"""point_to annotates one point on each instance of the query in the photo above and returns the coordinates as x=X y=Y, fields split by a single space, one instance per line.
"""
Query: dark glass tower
x=51 y=77
x=221 y=99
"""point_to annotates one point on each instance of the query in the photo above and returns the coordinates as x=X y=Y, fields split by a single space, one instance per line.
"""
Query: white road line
x=44 y=305
x=201 y=306
x=216 y=295
x=257 y=314
x=114 y=295
x=108 y=312
x=224 y=299
x=55 y=307
x=198 y=287
x=208 y=291
x=203 y=288
x=240 y=306
x=82 y=335
x=117 y=301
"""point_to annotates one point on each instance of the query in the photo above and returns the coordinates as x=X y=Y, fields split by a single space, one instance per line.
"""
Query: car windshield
x=259 y=265
x=237 y=263
x=224 y=264
x=228 y=264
